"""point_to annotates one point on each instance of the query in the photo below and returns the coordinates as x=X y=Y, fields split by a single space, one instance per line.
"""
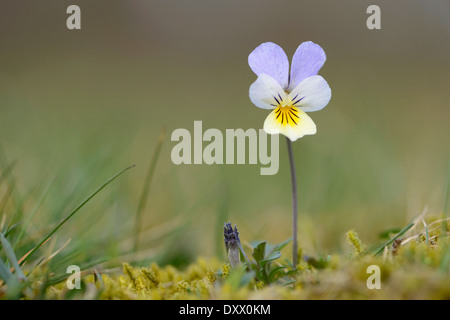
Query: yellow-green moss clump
x=410 y=268
x=353 y=239
x=158 y=283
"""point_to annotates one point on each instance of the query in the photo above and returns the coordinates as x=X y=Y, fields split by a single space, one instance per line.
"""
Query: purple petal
x=269 y=58
x=307 y=61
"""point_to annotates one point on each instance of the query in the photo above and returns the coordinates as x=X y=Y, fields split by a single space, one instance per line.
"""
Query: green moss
x=415 y=269
x=354 y=240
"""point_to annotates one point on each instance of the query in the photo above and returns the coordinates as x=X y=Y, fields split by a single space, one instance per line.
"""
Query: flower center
x=287 y=115
x=286 y=111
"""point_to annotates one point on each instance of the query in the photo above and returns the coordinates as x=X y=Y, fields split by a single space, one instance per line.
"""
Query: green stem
x=446 y=201
x=294 y=204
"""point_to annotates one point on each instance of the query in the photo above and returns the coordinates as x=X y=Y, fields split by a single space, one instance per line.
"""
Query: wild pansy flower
x=289 y=95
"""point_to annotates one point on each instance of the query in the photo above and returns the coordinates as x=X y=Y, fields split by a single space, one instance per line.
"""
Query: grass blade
x=73 y=212
x=7 y=170
x=11 y=257
x=5 y=198
x=36 y=208
x=5 y=274
x=446 y=200
x=390 y=241
x=12 y=188
x=26 y=254
x=426 y=231
x=146 y=188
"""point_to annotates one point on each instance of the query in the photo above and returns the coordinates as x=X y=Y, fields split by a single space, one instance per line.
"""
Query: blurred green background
x=78 y=106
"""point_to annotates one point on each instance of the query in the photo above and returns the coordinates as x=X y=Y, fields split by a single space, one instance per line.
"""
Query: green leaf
x=292 y=272
x=281 y=245
x=380 y=249
x=11 y=229
x=11 y=257
x=261 y=274
x=5 y=274
x=285 y=281
x=273 y=256
x=260 y=251
x=255 y=243
x=386 y=234
x=276 y=272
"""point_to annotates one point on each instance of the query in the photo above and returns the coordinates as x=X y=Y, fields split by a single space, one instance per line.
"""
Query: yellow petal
x=289 y=121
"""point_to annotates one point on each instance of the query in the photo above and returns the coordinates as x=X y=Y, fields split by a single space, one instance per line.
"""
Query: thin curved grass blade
x=73 y=212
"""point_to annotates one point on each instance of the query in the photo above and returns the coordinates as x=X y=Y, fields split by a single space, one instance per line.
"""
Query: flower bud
x=232 y=244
